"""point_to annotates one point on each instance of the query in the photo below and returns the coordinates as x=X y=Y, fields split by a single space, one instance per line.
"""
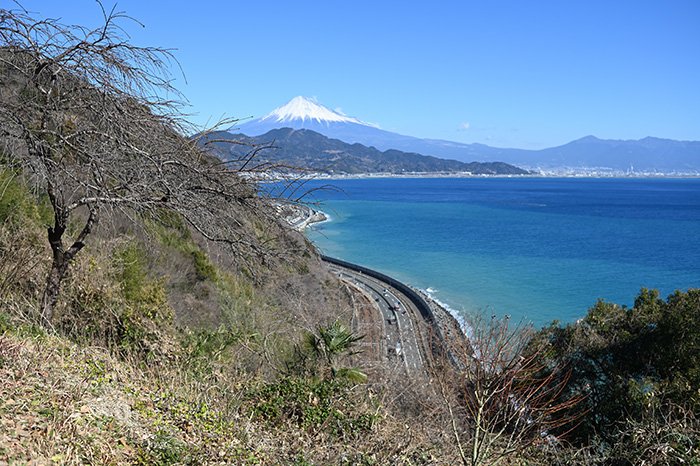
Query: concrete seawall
x=451 y=339
x=417 y=301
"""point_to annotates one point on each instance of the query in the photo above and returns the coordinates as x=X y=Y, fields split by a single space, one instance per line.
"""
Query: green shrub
x=169 y=227
x=325 y=404
x=639 y=369
x=131 y=265
x=172 y=232
x=13 y=198
x=203 y=349
x=118 y=305
x=146 y=313
x=161 y=450
x=17 y=204
x=238 y=301
x=203 y=266
x=144 y=294
x=5 y=323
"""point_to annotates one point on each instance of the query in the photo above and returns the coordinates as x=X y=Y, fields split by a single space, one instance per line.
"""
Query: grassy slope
x=165 y=351
x=68 y=404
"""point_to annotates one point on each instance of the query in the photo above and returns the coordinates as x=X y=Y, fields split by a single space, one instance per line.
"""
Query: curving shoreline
x=443 y=323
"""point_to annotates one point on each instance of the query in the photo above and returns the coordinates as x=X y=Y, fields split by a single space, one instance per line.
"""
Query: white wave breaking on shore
x=458 y=316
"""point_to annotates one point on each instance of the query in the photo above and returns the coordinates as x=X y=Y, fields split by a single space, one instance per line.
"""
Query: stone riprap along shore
x=300 y=216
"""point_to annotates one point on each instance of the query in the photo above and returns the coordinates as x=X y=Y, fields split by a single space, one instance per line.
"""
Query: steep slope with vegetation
x=126 y=374
x=153 y=308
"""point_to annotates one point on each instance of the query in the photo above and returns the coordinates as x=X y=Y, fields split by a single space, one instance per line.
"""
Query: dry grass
x=86 y=392
x=61 y=403
x=57 y=407
x=120 y=378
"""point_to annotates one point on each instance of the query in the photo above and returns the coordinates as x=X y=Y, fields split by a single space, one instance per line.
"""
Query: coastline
x=446 y=317
x=312 y=217
x=434 y=326
x=534 y=173
x=443 y=320
x=447 y=325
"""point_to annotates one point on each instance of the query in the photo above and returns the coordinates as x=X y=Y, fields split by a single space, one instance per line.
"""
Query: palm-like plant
x=330 y=344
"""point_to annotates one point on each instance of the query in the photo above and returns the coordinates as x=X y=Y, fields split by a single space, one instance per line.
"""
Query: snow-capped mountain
x=306 y=113
x=303 y=109
x=648 y=154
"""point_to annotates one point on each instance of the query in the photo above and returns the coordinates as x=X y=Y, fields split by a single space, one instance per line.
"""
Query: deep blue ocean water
x=533 y=248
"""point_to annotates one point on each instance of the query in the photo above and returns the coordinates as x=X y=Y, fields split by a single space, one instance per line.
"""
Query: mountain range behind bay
x=307 y=149
x=307 y=134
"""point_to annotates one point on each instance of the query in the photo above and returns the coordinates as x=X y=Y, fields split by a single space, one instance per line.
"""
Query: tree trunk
x=62 y=259
x=53 y=288
x=59 y=265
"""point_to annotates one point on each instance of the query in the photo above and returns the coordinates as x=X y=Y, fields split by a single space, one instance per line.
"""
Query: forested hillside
x=315 y=152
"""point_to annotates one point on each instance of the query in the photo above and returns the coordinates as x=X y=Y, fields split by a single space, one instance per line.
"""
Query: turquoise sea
x=533 y=248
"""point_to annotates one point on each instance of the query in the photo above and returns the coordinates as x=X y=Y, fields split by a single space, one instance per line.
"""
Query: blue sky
x=504 y=73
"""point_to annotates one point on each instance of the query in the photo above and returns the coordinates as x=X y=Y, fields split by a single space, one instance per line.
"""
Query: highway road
x=401 y=339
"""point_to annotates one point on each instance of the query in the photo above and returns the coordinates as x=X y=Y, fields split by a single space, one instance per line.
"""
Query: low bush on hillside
x=639 y=369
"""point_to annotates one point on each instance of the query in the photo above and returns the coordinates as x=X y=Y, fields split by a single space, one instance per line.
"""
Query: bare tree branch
x=100 y=132
x=502 y=399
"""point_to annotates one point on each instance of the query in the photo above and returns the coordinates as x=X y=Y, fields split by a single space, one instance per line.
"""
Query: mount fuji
x=306 y=113
x=300 y=109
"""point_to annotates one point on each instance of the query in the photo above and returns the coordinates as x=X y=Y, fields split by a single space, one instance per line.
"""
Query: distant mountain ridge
x=313 y=151
x=588 y=153
x=648 y=154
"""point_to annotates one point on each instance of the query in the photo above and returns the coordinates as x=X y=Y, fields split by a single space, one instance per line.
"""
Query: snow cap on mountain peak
x=304 y=108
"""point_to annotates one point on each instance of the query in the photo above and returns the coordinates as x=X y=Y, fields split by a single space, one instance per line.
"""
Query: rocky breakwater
x=300 y=216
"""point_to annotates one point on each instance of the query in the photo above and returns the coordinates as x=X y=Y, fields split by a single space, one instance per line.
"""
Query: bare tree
x=499 y=397
x=92 y=118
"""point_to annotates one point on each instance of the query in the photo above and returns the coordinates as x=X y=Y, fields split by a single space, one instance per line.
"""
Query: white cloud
x=464 y=126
